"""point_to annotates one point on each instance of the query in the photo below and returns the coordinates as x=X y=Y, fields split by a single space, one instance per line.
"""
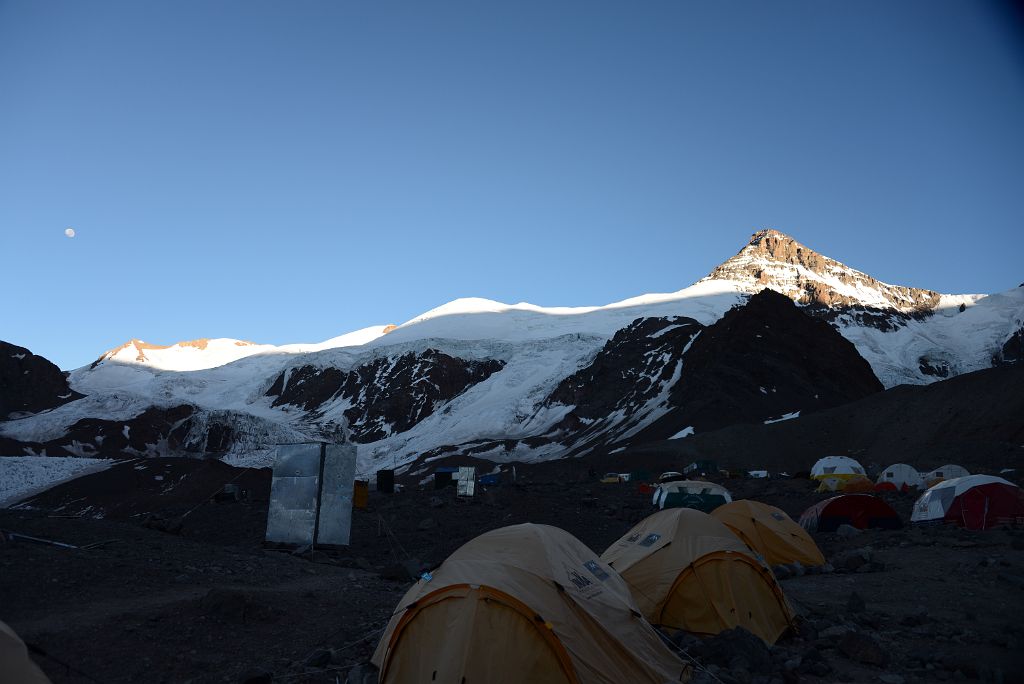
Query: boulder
x=854 y=559
x=855 y=603
x=847 y=531
x=863 y=648
x=835 y=632
x=737 y=649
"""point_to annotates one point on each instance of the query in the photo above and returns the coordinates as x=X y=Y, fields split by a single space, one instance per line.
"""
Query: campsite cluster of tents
x=842 y=473
x=532 y=603
x=951 y=495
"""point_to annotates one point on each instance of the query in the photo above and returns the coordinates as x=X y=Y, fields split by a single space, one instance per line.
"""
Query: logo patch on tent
x=596 y=570
x=578 y=580
x=650 y=539
x=778 y=516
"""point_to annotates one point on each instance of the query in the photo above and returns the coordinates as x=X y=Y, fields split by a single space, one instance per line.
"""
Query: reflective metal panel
x=302 y=506
x=336 y=496
x=467 y=481
x=292 y=512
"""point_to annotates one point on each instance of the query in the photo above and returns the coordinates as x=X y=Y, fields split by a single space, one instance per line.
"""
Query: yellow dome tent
x=832 y=471
x=689 y=571
x=850 y=485
x=526 y=603
x=768 y=531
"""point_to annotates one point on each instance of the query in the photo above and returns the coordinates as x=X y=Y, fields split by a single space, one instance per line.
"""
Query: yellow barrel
x=361 y=494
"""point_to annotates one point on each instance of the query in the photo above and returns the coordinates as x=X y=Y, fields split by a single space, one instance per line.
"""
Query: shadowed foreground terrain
x=165 y=598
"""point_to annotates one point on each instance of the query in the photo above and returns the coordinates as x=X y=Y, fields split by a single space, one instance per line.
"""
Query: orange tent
x=526 y=603
x=767 y=530
x=689 y=571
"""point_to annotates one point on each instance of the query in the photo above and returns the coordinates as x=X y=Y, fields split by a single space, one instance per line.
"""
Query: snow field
x=24 y=476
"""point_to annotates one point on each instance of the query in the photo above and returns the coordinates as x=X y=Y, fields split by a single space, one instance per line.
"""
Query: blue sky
x=287 y=172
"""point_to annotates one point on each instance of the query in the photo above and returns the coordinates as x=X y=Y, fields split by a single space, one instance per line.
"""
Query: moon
x=70 y=232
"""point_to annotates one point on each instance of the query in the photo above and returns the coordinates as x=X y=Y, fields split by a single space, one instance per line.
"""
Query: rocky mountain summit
x=776 y=261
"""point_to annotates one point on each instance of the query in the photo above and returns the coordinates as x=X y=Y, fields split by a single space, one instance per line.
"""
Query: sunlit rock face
x=774 y=260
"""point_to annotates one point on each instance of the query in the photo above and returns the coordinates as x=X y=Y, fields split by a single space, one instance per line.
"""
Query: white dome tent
x=946 y=472
x=899 y=477
x=705 y=496
x=842 y=467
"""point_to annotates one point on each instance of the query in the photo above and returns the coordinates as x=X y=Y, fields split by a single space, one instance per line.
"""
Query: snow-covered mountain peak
x=135 y=350
x=205 y=353
x=775 y=260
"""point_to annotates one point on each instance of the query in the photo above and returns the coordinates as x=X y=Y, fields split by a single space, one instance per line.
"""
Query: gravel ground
x=178 y=588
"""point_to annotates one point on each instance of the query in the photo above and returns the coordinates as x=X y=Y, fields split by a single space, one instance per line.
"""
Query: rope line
x=693 y=661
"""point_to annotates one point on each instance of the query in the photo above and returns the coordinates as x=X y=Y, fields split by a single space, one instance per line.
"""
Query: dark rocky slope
x=182 y=430
x=625 y=379
x=975 y=419
x=101 y=438
x=1012 y=350
x=757 y=362
x=389 y=395
x=763 y=360
x=29 y=383
x=658 y=376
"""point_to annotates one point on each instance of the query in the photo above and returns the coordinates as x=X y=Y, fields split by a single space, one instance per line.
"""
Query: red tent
x=859 y=510
x=987 y=505
x=976 y=502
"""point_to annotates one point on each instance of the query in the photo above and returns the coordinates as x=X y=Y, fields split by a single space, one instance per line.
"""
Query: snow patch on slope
x=963 y=341
x=685 y=432
x=25 y=476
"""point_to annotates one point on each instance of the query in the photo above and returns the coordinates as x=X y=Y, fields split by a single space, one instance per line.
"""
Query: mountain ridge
x=478 y=377
x=770 y=259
